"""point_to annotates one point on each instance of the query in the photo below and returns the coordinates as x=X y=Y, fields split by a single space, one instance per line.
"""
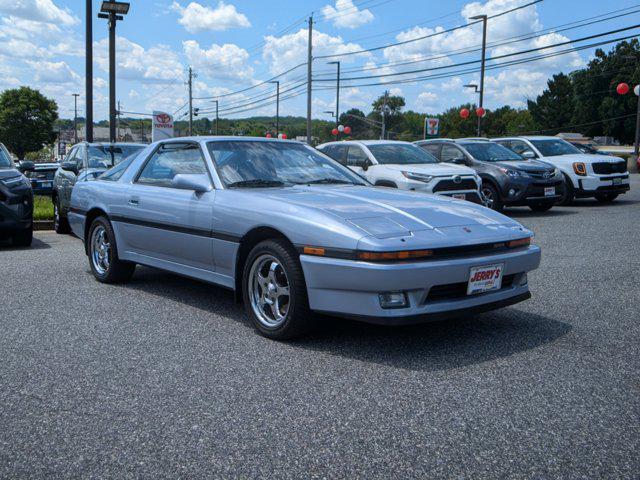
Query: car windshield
x=553 y=147
x=490 y=152
x=271 y=164
x=5 y=161
x=105 y=156
x=400 y=154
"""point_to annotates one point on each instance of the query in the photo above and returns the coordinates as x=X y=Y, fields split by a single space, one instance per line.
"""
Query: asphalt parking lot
x=163 y=377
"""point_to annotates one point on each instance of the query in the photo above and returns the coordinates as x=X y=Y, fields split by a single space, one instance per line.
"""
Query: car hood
x=525 y=165
x=587 y=158
x=384 y=212
x=8 y=173
x=436 y=169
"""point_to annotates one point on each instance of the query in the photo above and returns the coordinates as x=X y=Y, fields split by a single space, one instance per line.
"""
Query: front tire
x=23 y=238
x=103 y=254
x=569 y=192
x=492 y=197
x=60 y=223
x=274 y=291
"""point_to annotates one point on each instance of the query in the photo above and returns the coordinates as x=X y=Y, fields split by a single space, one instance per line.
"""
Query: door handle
x=134 y=202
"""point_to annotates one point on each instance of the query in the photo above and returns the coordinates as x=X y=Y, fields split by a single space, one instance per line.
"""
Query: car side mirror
x=459 y=160
x=69 y=167
x=199 y=183
x=26 y=166
x=528 y=154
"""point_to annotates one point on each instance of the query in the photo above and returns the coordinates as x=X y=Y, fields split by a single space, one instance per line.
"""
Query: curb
x=39 y=225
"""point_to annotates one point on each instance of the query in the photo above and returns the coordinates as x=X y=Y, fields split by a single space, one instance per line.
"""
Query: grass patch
x=42 y=208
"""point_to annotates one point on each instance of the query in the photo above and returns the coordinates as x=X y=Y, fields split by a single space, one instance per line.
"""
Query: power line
x=564 y=127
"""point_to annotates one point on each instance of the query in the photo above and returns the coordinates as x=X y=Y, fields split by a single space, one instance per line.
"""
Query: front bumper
x=351 y=288
x=590 y=186
x=531 y=191
x=16 y=210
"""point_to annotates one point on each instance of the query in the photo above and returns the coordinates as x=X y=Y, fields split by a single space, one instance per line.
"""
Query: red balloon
x=269 y=135
x=622 y=88
x=464 y=113
x=335 y=131
x=347 y=130
x=284 y=136
x=480 y=112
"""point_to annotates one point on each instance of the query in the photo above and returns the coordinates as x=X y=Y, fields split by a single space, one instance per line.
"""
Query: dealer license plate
x=549 y=191
x=618 y=181
x=46 y=184
x=485 y=278
x=459 y=196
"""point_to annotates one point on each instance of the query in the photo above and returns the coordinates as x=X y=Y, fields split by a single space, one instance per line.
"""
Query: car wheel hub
x=100 y=250
x=269 y=291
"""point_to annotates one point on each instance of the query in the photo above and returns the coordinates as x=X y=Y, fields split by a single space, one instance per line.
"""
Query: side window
x=339 y=153
x=519 y=147
x=432 y=148
x=80 y=157
x=71 y=156
x=170 y=160
x=356 y=157
x=449 y=153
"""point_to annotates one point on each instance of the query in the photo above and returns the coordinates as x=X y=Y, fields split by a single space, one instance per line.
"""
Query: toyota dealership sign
x=162 y=126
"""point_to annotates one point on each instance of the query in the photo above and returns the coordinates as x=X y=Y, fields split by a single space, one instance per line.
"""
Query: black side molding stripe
x=199 y=232
x=79 y=211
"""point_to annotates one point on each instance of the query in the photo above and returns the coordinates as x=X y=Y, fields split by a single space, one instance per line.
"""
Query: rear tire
x=60 y=223
x=274 y=291
x=541 y=207
x=607 y=197
x=494 y=202
x=103 y=254
x=569 y=192
x=23 y=238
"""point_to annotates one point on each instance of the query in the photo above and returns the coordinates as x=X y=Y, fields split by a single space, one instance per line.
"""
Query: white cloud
x=227 y=62
x=199 y=18
x=427 y=101
x=281 y=53
x=156 y=64
x=54 y=72
x=39 y=11
x=514 y=87
x=346 y=15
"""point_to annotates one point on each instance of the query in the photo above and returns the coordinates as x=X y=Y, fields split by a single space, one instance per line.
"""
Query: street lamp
x=337 y=91
x=482 y=18
x=277 y=82
x=112 y=11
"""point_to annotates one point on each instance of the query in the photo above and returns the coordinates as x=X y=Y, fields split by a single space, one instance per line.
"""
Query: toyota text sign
x=162 y=126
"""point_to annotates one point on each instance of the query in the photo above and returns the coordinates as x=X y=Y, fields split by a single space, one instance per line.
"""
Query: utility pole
x=118 y=121
x=88 y=81
x=190 y=85
x=484 y=55
x=636 y=146
x=384 y=115
x=217 y=117
x=277 y=82
x=337 y=93
x=75 y=116
x=309 y=73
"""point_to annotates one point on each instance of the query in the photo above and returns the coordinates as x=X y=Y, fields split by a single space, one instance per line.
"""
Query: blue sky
x=235 y=44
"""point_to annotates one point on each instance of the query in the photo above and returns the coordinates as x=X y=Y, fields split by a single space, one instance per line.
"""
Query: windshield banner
x=162 y=126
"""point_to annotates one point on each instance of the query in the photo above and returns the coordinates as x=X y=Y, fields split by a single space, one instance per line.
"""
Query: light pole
x=337 y=92
x=277 y=82
x=89 y=73
x=112 y=11
x=75 y=116
x=484 y=55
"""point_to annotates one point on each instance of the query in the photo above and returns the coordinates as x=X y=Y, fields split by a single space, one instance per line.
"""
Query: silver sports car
x=292 y=232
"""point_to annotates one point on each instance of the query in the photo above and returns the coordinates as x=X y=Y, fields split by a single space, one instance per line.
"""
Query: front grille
x=602 y=168
x=450 y=185
x=453 y=291
x=538 y=174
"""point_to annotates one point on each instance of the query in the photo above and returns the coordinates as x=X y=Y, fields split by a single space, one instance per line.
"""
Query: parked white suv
x=403 y=165
x=601 y=176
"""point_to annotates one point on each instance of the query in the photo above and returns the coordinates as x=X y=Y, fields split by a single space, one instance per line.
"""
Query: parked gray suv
x=84 y=162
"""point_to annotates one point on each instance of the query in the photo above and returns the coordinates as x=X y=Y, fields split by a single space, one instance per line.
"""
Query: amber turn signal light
x=522 y=242
x=318 y=251
x=403 y=255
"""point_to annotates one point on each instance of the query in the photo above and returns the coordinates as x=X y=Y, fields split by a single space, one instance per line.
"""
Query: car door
x=167 y=223
x=65 y=180
x=433 y=148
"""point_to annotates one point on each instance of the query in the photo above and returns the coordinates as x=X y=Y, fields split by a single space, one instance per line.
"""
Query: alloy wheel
x=100 y=250
x=269 y=291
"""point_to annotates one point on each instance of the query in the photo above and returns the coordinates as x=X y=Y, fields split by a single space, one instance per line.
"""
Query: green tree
x=554 y=107
x=393 y=118
x=454 y=126
x=26 y=120
x=356 y=119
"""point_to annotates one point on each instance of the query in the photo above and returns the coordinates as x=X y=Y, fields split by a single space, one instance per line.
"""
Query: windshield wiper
x=256 y=182
x=330 y=180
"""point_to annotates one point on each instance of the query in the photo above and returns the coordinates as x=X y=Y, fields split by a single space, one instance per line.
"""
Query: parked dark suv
x=508 y=179
x=16 y=201
x=85 y=161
